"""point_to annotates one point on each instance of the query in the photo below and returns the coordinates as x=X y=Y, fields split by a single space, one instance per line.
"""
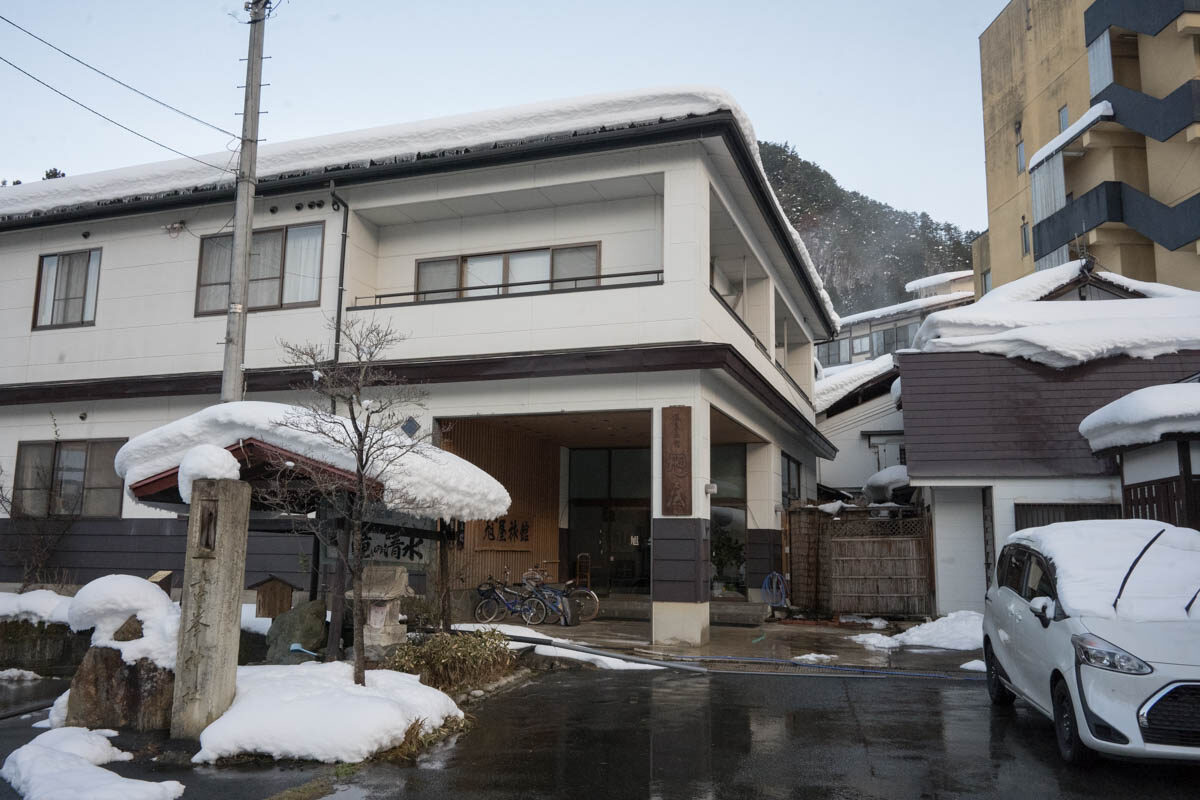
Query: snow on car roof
x=1091 y=558
x=1144 y=416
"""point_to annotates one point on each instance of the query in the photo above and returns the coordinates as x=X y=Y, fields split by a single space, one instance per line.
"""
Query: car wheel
x=997 y=691
x=1066 y=727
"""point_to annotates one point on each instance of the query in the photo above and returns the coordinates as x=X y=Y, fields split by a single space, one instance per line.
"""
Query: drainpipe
x=341 y=290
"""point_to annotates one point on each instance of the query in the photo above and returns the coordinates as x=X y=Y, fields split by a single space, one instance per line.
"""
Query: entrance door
x=588 y=537
x=629 y=548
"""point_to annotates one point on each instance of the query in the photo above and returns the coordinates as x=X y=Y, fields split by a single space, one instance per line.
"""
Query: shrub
x=454 y=661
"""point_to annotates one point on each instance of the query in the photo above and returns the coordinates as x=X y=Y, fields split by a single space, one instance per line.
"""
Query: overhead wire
x=116 y=80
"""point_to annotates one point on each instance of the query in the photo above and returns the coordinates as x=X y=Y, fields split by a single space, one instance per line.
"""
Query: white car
x=1097 y=625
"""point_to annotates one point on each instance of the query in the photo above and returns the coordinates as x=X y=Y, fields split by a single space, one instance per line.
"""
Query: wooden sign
x=677 y=461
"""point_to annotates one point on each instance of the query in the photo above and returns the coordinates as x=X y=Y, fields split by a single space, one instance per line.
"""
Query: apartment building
x=606 y=307
x=1091 y=112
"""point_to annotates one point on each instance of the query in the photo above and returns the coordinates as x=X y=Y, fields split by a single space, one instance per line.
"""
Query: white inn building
x=607 y=307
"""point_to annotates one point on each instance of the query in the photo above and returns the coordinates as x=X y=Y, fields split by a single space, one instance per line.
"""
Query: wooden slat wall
x=987 y=415
x=528 y=468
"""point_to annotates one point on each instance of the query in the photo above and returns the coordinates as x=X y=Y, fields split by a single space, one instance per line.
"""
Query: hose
x=774 y=590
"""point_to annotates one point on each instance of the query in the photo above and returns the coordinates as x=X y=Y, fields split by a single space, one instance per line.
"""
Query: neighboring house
x=994 y=398
x=1091 y=134
x=870 y=334
x=857 y=412
x=602 y=297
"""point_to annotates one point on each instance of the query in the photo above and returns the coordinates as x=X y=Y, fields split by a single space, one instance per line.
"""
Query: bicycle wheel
x=587 y=604
x=533 y=611
x=554 y=606
x=487 y=610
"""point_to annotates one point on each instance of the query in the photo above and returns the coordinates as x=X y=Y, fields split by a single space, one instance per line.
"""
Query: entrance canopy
x=299 y=446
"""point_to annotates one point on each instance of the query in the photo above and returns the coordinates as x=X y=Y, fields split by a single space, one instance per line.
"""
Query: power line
x=116 y=80
x=110 y=119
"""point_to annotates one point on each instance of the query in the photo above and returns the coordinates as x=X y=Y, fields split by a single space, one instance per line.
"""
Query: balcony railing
x=542 y=286
x=1172 y=227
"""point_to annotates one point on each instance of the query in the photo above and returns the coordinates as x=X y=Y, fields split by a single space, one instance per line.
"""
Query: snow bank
x=959 y=630
x=878 y=623
x=58 y=713
x=316 y=711
x=252 y=622
x=1144 y=416
x=836 y=385
x=18 y=675
x=405 y=142
x=1089 y=118
x=879 y=487
x=974 y=665
x=908 y=307
x=417 y=477
x=206 y=461
x=1091 y=558
x=105 y=604
x=603 y=662
x=64 y=764
x=40 y=605
x=937 y=280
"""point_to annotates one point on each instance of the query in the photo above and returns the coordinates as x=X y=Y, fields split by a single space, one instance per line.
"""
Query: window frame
x=1064 y=117
x=283 y=229
x=50 y=491
x=1020 y=156
x=458 y=294
x=1003 y=579
x=37 y=290
x=1025 y=244
x=866 y=345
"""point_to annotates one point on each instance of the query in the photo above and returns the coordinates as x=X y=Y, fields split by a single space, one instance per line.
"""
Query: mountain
x=865 y=250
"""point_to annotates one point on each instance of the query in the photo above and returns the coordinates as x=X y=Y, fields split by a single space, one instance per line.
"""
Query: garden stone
x=304 y=624
x=130 y=630
x=108 y=693
x=477 y=693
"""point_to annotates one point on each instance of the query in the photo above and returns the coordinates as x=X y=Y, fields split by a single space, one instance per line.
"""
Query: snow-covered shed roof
x=416 y=478
x=335 y=154
x=845 y=380
x=1144 y=416
x=908 y=307
x=937 y=280
x=1040 y=284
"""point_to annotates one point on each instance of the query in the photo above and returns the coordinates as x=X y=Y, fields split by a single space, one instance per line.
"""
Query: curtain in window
x=46 y=293
x=302 y=265
x=70 y=288
x=437 y=280
x=266 y=253
x=483 y=271
x=531 y=265
x=70 y=458
x=102 y=486
x=93 y=280
x=576 y=262
x=31 y=483
x=216 y=261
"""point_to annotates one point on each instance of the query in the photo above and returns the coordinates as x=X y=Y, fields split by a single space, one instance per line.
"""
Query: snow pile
x=58 y=713
x=206 y=461
x=1144 y=416
x=416 y=477
x=974 y=665
x=833 y=509
x=405 y=142
x=603 y=662
x=18 y=675
x=252 y=622
x=896 y=392
x=1090 y=117
x=937 y=280
x=105 y=604
x=908 y=307
x=879 y=487
x=64 y=764
x=813 y=658
x=1091 y=559
x=837 y=384
x=316 y=711
x=959 y=630
x=1066 y=334
x=878 y=623
x=40 y=605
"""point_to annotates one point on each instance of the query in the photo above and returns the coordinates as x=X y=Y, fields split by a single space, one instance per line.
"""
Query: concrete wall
x=958 y=548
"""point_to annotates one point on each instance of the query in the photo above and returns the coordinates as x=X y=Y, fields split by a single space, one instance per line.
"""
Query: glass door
x=629 y=548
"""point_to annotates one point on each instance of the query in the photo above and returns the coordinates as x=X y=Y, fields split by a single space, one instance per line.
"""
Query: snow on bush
x=18 y=675
x=64 y=764
x=603 y=662
x=1090 y=559
x=960 y=630
x=206 y=461
x=316 y=711
x=105 y=604
x=58 y=713
x=1144 y=416
x=879 y=487
x=40 y=605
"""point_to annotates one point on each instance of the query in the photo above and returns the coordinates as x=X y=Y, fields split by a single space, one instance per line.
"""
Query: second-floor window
x=1020 y=157
x=1064 y=119
x=285 y=269
x=67 y=479
x=861 y=344
x=66 y=293
x=513 y=272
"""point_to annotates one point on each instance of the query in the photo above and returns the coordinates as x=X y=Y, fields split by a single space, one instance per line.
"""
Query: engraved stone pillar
x=213 y=573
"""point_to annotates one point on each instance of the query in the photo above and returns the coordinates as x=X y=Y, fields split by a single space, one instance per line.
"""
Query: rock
x=477 y=693
x=47 y=649
x=462 y=698
x=304 y=624
x=108 y=693
x=130 y=630
x=252 y=648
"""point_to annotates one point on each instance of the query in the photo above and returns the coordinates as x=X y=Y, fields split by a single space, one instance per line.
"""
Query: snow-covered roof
x=1095 y=114
x=419 y=478
x=1038 y=284
x=1091 y=559
x=1144 y=416
x=907 y=307
x=937 y=280
x=832 y=388
x=879 y=487
x=1066 y=334
x=395 y=144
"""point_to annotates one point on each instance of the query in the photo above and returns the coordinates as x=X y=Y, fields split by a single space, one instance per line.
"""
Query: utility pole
x=232 y=378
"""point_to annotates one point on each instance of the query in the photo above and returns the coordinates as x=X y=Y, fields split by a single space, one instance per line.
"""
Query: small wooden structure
x=273 y=596
x=163 y=579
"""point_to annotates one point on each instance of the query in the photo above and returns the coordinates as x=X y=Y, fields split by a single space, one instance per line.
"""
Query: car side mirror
x=1043 y=609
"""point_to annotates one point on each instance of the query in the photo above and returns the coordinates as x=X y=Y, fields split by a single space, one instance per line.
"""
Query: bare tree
x=357 y=409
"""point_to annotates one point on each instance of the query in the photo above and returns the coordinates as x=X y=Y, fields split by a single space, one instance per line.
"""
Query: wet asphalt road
x=588 y=734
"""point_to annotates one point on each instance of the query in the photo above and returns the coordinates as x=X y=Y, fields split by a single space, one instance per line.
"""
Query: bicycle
x=584 y=602
x=498 y=600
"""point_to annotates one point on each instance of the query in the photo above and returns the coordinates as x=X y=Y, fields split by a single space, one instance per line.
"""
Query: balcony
x=1140 y=16
x=1173 y=227
x=542 y=286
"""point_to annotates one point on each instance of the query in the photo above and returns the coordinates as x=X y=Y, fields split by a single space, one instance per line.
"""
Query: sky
x=883 y=94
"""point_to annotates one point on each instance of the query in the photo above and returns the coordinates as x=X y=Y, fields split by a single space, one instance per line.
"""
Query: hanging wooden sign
x=677 y=461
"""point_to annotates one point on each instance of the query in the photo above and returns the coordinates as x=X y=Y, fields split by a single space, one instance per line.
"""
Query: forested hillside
x=865 y=250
